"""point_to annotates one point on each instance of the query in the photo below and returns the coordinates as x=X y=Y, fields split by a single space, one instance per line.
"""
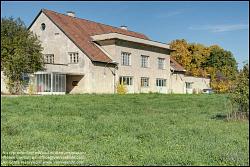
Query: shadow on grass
x=219 y=117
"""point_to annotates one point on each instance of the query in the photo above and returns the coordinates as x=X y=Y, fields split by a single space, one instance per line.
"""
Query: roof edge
x=97 y=23
x=43 y=11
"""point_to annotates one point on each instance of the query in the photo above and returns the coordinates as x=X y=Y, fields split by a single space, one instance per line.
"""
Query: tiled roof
x=176 y=66
x=81 y=30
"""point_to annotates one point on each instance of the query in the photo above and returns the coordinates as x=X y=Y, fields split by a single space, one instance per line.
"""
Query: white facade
x=86 y=76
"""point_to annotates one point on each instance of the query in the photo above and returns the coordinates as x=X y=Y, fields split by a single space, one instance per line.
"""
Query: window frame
x=124 y=61
x=49 y=58
x=161 y=82
x=143 y=79
x=161 y=63
x=189 y=85
x=144 y=61
x=73 y=57
x=127 y=79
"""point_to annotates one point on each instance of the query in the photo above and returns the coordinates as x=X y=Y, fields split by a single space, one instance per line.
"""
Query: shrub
x=121 y=88
x=31 y=89
x=221 y=86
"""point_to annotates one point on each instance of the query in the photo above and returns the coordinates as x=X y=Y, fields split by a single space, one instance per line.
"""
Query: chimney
x=124 y=27
x=70 y=13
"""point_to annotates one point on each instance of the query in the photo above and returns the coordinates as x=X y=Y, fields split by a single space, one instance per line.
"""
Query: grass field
x=143 y=129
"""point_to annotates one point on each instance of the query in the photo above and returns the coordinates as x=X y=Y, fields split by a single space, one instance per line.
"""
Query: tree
x=223 y=61
x=181 y=53
x=199 y=54
x=20 y=52
x=222 y=67
x=203 y=61
x=239 y=93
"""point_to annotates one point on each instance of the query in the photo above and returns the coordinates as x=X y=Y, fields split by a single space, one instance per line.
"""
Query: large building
x=83 y=56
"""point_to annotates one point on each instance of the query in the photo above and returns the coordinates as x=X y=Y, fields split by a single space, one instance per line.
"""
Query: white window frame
x=73 y=57
x=161 y=63
x=161 y=82
x=126 y=80
x=144 y=82
x=49 y=58
x=126 y=59
x=144 y=61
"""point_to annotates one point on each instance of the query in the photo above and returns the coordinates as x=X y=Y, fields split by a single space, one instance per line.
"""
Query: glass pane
x=57 y=83
x=54 y=82
x=49 y=82
x=63 y=83
x=60 y=83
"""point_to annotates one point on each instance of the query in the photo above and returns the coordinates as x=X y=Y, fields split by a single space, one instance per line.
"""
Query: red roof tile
x=81 y=30
x=176 y=66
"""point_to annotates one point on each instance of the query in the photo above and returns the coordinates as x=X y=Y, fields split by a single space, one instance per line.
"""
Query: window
x=51 y=82
x=49 y=58
x=160 y=82
x=161 y=63
x=126 y=59
x=26 y=79
x=74 y=58
x=43 y=26
x=144 y=61
x=126 y=80
x=188 y=85
x=144 y=82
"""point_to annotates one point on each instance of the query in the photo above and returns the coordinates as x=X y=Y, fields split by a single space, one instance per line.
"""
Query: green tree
x=222 y=61
x=239 y=93
x=20 y=52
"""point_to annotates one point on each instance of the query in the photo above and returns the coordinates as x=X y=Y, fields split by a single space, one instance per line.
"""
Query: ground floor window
x=51 y=82
x=126 y=80
x=160 y=82
x=144 y=82
x=26 y=79
x=188 y=85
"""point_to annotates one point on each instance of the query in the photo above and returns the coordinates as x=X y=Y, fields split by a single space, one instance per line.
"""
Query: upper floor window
x=73 y=57
x=144 y=61
x=161 y=63
x=126 y=60
x=144 y=82
x=43 y=26
x=126 y=80
x=49 y=58
x=160 y=82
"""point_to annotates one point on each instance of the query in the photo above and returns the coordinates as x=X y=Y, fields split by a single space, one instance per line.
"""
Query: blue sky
x=222 y=23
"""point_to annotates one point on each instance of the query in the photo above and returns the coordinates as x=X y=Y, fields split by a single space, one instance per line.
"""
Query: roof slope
x=176 y=66
x=81 y=30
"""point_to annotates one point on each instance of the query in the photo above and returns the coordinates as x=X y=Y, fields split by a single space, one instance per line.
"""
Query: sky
x=224 y=23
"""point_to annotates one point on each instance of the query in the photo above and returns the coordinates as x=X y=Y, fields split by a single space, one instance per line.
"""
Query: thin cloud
x=168 y=14
x=221 y=28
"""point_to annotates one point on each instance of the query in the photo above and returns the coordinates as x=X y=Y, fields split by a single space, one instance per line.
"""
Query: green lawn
x=142 y=129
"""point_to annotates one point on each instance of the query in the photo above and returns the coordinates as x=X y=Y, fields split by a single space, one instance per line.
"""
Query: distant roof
x=176 y=66
x=81 y=30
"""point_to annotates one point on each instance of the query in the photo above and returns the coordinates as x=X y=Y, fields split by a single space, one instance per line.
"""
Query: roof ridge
x=95 y=22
